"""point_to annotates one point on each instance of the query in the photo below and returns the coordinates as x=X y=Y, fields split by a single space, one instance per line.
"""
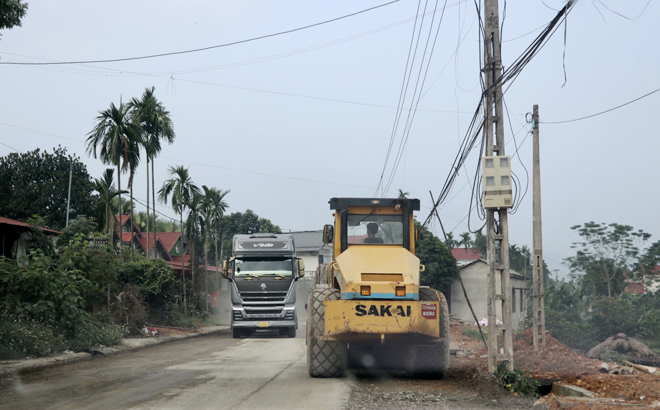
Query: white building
x=474 y=272
x=311 y=249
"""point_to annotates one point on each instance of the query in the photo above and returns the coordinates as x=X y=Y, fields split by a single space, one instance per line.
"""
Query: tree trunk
x=130 y=186
x=148 y=238
x=119 y=205
x=183 y=273
x=153 y=192
x=206 y=271
x=217 y=274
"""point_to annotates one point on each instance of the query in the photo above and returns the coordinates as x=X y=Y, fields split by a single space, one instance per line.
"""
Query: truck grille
x=263 y=296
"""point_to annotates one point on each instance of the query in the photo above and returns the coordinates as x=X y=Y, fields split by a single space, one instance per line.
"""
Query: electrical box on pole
x=497 y=182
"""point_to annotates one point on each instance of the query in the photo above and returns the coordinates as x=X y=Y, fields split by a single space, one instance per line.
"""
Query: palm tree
x=155 y=123
x=211 y=207
x=450 y=238
x=466 y=241
x=116 y=137
x=104 y=186
x=403 y=195
x=182 y=190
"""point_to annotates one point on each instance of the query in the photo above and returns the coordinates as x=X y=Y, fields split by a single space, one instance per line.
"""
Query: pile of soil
x=556 y=360
x=634 y=388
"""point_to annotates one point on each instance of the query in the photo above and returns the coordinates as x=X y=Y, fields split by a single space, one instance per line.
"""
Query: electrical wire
x=209 y=165
x=400 y=103
x=196 y=50
x=2 y=143
x=602 y=112
x=417 y=92
x=508 y=76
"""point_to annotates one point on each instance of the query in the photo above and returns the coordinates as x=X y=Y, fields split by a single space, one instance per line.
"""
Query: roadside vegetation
x=88 y=288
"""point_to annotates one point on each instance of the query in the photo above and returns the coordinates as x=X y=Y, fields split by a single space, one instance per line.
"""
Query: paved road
x=211 y=372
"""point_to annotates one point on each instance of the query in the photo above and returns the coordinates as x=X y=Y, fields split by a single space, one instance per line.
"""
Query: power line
x=417 y=93
x=2 y=143
x=508 y=76
x=206 y=165
x=602 y=112
x=114 y=60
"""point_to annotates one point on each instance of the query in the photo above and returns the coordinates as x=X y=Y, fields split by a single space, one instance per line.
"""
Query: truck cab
x=263 y=271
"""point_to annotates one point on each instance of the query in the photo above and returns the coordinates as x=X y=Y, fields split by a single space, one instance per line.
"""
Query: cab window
x=375 y=229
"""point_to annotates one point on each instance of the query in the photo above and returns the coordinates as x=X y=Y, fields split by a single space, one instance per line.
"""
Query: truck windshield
x=374 y=229
x=264 y=267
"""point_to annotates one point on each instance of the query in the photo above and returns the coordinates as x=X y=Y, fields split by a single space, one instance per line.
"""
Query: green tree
x=481 y=243
x=211 y=207
x=181 y=190
x=435 y=257
x=243 y=223
x=156 y=125
x=605 y=255
x=115 y=138
x=649 y=262
x=453 y=243
x=106 y=191
x=11 y=13
x=37 y=183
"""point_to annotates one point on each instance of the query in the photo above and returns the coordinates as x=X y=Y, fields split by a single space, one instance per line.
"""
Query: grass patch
x=474 y=333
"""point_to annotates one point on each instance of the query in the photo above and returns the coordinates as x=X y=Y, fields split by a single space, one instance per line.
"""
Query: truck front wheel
x=324 y=358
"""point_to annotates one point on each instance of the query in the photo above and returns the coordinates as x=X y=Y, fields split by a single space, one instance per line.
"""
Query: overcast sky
x=289 y=121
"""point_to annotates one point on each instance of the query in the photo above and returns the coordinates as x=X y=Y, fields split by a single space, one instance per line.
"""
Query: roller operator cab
x=368 y=309
x=263 y=271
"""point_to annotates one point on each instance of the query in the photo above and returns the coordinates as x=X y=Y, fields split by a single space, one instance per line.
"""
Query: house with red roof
x=168 y=246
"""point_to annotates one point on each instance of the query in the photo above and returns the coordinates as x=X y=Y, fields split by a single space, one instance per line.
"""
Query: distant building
x=15 y=237
x=474 y=272
x=167 y=246
x=311 y=249
x=650 y=283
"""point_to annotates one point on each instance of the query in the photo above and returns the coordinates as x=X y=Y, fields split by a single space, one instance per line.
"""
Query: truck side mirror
x=328 y=234
x=225 y=269
x=301 y=268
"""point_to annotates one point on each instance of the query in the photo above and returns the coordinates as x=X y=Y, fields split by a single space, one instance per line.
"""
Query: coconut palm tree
x=156 y=125
x=181 y=191
x=450 y=238
x=466 y=241
x=114 y=138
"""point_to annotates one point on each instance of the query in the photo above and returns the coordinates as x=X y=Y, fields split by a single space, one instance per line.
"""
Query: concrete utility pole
x=496 y=218
x=538 y=296
x=68 y=199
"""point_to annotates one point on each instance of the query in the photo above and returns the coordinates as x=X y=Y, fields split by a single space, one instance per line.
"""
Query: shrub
x=21 y=337
x=516 y=382
x=93 y=332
